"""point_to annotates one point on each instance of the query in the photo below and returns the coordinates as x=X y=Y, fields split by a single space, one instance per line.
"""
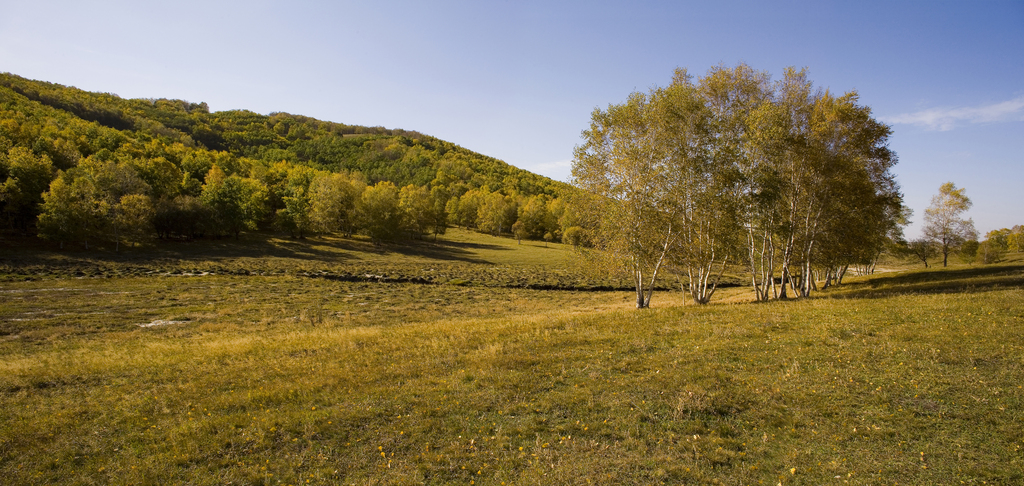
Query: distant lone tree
x=519 y=230
x=943 y=222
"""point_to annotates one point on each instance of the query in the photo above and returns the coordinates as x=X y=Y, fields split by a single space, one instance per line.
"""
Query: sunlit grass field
x=173 y=366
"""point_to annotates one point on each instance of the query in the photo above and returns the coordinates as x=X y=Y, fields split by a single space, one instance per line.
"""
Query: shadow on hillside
x=29 y=251
x=937 y=281
x=443 y=250
x=251 y=245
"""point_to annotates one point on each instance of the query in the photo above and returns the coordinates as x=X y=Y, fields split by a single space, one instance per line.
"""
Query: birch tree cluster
x=789 y=182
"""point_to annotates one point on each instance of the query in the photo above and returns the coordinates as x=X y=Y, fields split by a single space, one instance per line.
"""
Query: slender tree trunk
x=682 y=288
x=786 y=256
x=638 y=281
x=754 y=270
x=760 y=271
x=701 y=293
x=644 y=297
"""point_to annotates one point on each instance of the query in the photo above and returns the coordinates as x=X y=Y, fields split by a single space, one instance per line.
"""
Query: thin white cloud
x=944 y=119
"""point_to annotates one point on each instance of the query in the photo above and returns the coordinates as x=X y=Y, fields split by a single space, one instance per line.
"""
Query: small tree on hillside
x=519 y=230
x=943 y=224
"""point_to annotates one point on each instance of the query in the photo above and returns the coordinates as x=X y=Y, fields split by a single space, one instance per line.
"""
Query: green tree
x=196 y=164
x=943 y=222
x=1015 y=240
x=451 y=208
x=114 y=180
x=1000 y=238
x=275 y=178
x=519 y=231
x=969 y=251
x=23 y=179
x=296 y=215
x=439 y=196
x=162 y=176
x=333 y=202
x=237 y=203
x=620 y=171
x=990 y=251
x=536 y=217
x=817 y=187
x=417 y=209
x=72 y=209
x=184 y=216
x=863 y=208
x=464 y=210
x=575 y=236
x=133 y=217
x=379 y=213
x=497 y=213
x=686 y=173
x=701 y=128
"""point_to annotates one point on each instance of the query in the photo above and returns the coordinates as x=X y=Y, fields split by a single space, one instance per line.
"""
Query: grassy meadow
x=473 y=360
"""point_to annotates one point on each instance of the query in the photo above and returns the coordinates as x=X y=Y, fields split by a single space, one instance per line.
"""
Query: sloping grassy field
x=909 y=378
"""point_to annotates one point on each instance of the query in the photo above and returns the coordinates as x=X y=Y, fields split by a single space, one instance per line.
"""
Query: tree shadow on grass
x=28 y=253
x=935 y=281
x=335 y=249
x=254 y=245
x=444 y=250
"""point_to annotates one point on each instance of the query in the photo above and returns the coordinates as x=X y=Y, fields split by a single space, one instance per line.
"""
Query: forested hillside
x=77 y=166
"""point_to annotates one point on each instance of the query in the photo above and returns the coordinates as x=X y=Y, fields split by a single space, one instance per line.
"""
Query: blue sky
x=517 y=80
